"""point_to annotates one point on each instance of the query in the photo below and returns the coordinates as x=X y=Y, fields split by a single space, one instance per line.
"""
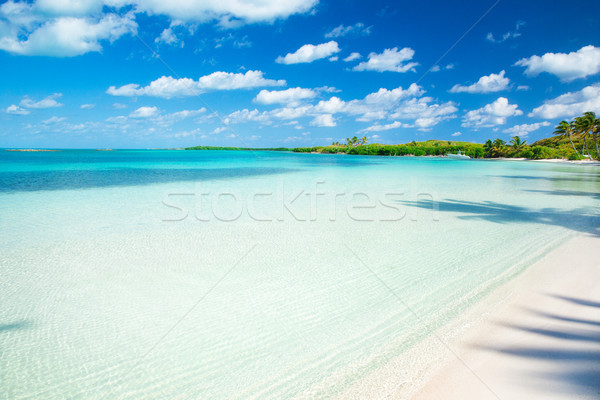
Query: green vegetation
x=237 y=148
x=427 y=148
x=569 y=137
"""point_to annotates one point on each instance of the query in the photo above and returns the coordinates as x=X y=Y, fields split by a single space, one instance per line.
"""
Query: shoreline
x=537 y=336
x=545 y=160
x=478 y=356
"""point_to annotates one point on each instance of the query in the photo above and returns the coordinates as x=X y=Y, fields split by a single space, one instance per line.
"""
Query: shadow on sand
x=580 y=220
x=578 y=369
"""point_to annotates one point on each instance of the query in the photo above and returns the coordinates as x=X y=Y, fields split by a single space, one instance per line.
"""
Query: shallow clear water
x=174 y=274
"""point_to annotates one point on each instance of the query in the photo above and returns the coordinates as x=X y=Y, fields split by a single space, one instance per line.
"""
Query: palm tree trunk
x=573 y=144
x=596 y=142
x=586 y=146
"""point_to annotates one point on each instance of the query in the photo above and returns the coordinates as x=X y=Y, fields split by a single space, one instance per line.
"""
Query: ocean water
x=256 y=275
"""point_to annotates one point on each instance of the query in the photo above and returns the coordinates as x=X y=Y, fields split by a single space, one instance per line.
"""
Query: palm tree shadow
x=577 y=368
x=15 y=326
x=581 y=302
x=579 y=220
x=566 y=193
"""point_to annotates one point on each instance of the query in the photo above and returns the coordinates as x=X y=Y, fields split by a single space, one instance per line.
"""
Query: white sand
x=541 y=342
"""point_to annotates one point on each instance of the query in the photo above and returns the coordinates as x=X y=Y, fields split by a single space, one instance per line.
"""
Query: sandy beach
x=541 y=342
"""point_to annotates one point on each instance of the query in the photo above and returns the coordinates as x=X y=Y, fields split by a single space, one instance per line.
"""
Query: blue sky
x=149 y=73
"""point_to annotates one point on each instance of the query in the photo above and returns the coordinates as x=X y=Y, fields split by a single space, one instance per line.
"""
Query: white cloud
x=14 y=109
x=66 y=28
x=87 y=106
x=48 y=102
x=457 y=134
x=383 y=104
x=385 y=96
x=144 y=112
x=334 y=58
x=53 y=120
x=378 y=128
x=568 y=67
x=331 y=106
x=485 y=84
x=168 y=87
x=119 y=106
x=525 y=129
x=570 y=104
x=309 y=53
x=65 y=36
x=390 y=60
x=523 y=88
x=352 y=57
x=507 y=35
x=178 y=115
x=168 y=36
x=437 y=68
x=288 y=96
x=246 y=115
x=230 y=13
x=323 y=120
x=357 y=29
x=425 y=113
x=491 y=115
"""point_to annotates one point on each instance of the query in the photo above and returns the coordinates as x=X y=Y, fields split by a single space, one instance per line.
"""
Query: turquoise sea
x=256 y=275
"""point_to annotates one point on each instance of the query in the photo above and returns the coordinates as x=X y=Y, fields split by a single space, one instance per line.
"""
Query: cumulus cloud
x=570 y=104
x=144 y=112
x=87 y=106
x=352 y=57
x=228 y=12
x=485 y=84
x=568 y=67
x=323 y=120
x=288 y=96
x=48 y=102
x=356 y=29
x=14 y=109
x=309 y=53
x=457 y=134
x=168 y=87
x=491 y=115
x=507 y=35
x=70 y=28
x=384 y=104
x=168 y=35
x=63 y=36
x=525 y=129
x=386 y=127
x=390 y=60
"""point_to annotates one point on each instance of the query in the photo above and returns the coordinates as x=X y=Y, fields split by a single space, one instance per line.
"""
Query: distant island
x=568 y=137
x=31 y=150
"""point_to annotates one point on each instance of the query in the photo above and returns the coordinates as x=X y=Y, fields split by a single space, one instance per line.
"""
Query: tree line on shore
x=569 y=135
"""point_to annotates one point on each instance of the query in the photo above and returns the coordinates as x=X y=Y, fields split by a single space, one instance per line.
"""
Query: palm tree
x=364 y=140
x=348 y=141
x=584 y=125
x=595 y=133
x=565 y=128
x=354 y=141
x=498 y=147
x=517 y=144
x=487 y=147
